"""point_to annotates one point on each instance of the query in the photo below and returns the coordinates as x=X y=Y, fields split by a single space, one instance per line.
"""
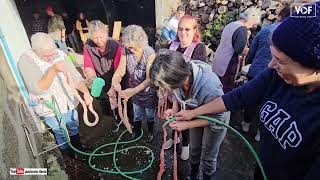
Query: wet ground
x=234 y=162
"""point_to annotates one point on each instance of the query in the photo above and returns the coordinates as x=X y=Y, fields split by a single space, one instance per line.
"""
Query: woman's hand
x=128 y=93
x=90 y=74
x=116 y=86
x=60 y=67
x=184 y=115
x=169 y=113
x=179 y=125
x=245 y=52
x=112 y=93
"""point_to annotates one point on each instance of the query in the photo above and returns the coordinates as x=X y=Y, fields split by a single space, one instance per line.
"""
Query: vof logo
x=300 y=10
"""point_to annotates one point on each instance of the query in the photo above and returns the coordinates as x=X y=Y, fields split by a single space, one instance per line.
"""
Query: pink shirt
x=88 y=61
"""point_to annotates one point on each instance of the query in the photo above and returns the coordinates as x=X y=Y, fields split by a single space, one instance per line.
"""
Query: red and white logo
x=19 y=171
x=28 y=171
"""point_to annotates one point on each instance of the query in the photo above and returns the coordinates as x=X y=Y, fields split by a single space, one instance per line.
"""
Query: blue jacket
x=260 y=53
x=290 y=131
x=206 y=86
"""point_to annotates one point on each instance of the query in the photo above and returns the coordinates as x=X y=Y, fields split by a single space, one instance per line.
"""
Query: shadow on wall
x=14 y=149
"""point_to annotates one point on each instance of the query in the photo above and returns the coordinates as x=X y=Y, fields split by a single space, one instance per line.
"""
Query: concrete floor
x=234 y=162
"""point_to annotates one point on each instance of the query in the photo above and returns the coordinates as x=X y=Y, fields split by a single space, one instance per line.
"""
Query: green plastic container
x=71 y=58
x=96 y=87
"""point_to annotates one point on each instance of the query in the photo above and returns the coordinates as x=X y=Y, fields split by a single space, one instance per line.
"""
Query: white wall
x=12 y=28
x=14 y=39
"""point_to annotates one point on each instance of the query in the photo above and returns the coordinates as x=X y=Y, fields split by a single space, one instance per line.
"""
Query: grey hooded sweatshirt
x=206 y=86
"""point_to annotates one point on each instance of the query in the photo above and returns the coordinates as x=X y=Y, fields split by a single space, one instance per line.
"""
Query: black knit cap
x=299 y=38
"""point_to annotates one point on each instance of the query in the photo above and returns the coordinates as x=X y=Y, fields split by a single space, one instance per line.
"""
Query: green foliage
x=212 y=34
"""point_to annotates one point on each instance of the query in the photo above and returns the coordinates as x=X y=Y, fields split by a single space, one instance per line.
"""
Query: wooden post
x=116 y=30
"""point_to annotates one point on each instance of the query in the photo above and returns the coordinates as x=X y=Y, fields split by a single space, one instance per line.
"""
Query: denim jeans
x=139 y=113
x=70 y=120
x=204 y=147
x=168 y=35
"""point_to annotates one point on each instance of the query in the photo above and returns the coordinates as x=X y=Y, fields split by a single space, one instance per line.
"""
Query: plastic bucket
x=96 y=87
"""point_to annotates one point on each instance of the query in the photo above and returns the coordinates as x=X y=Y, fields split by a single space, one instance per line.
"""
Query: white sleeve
x=172 y=24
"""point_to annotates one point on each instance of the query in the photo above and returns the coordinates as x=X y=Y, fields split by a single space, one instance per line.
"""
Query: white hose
x=85 y=109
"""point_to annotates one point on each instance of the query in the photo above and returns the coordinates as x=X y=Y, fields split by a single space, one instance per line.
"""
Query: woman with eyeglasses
x=135 y=62
x=188 y=43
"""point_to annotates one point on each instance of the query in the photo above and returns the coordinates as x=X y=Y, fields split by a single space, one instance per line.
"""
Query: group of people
x=63 y=29
x=287 y=90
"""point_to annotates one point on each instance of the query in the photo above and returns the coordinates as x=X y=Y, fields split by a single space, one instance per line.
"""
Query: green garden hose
x=253 y=152
x=118 y=142
x=114 y=152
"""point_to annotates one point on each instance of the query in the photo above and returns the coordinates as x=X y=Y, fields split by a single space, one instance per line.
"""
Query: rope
x=162 y=163
x=123 y=113
x=175 y=160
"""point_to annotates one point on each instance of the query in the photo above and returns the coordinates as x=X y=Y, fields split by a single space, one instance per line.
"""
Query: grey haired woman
x=101 y=56
x=136 y=61
x=232 y=44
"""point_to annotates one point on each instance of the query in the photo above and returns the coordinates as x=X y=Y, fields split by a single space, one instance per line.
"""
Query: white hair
x=42 y=42
x=252 y=13
x=96 y=25
x=134 y=35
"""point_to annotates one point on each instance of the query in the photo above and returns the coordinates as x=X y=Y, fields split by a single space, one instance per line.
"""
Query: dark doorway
x=140 y=12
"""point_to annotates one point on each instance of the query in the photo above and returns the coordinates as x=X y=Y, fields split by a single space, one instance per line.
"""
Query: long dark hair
x=169 y=70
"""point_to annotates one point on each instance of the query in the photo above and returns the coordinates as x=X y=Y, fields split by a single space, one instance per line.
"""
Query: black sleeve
x=239 y=39
x=255 y=89
x=200 y=52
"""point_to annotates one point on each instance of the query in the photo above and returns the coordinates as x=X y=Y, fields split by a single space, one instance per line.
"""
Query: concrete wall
x=13 y=29
x=14 y=149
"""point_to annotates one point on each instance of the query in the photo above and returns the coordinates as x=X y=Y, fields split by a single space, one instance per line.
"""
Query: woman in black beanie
x=290 y=93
